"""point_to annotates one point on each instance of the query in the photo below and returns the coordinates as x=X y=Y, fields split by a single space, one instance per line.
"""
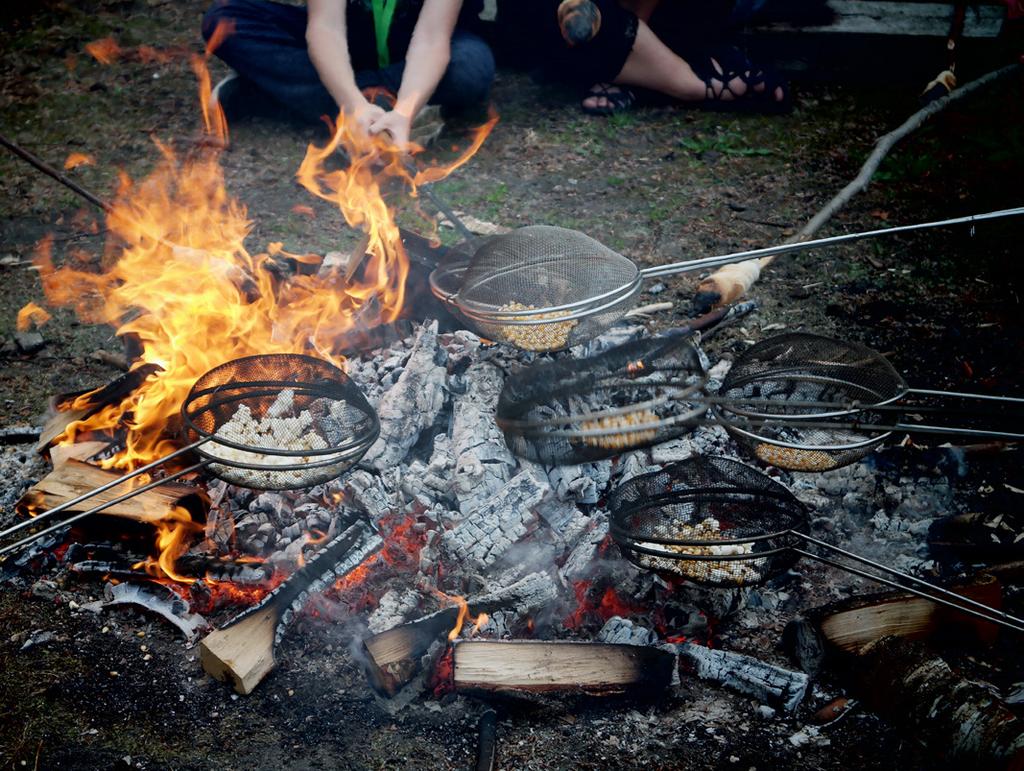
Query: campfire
x=369 y=488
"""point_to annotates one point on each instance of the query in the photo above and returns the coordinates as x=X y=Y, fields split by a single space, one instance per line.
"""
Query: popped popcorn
x=735 y=572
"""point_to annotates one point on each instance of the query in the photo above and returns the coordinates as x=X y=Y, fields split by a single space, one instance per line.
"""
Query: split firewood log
x=242 y=652
x=535 y=666
x=71 y=478
x=845 y=627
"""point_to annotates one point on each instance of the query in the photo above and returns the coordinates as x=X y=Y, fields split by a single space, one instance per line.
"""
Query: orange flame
x=74 y=160
x=177 y=276
x=31 y=316
x=172 y=535
x=464 y=614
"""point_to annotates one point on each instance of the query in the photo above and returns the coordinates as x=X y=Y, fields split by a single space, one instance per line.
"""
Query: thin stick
x=52 y=172
x=728 y=284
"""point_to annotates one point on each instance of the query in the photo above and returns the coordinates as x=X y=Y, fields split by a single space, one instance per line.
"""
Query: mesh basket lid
x=279 y=421
x=839 y=370
x=542 y=266
x=745 y=505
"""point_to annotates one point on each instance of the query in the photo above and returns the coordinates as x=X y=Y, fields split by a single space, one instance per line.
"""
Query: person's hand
x=364 y=114
x=396 y=124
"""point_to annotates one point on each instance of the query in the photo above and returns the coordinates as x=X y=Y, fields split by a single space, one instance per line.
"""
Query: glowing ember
x=610 y=604
x=105 y=50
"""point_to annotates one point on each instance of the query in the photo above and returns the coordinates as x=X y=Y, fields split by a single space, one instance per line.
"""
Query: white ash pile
x=530 y=545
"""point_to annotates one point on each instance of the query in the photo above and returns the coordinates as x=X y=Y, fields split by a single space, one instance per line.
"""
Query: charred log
x=777 y=687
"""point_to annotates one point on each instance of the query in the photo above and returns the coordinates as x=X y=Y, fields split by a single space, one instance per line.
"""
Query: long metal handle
x=448 y=212
x=96 y=509
x=687 y=266
x=961 y=395
x=930 y=591
x=741 y=406
x=101 y=489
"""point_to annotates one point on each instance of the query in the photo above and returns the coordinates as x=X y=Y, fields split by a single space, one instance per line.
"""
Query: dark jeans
x=268 y=49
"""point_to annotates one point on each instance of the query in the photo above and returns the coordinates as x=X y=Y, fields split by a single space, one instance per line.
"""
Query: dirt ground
x=659 y=184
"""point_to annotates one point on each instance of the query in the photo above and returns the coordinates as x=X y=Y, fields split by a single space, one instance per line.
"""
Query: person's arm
x=425 y=63
x=326 y=37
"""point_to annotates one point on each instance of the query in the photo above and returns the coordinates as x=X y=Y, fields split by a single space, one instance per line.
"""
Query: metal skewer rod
x=96 y=509
x=101 y=489
x=769 y=251
x=958 y=602
x=740 y=405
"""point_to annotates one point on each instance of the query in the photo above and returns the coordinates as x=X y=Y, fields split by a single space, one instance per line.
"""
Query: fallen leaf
x=74 y=160
x=105 y=50
x=305 y=211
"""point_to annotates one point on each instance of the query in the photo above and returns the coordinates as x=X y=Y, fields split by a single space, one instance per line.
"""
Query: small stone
x=29 y=342
x=45 y=589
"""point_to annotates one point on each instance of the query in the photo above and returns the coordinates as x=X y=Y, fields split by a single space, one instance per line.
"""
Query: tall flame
x=177 y=276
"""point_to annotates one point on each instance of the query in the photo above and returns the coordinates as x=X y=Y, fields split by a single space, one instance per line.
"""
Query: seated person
x=316 y=61
x=676 y=48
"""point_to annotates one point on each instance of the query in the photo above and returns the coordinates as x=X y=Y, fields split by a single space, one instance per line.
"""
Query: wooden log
x=533 y=666
x=71 y=478
x=775 y=686
x=72 y=407
x=402 y=654
x=847 y=626
x=242 y=652
x=959 y=720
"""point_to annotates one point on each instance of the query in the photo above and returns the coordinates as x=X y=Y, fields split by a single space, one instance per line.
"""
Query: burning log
x=777 y=687
x=533 y=666
x=72 y=478
x=482 y=460
x=580 y=562
x=394 y=607
x=242 y=652
x=411 y=404
x=525 y=596
x=622 y=631
x=398 y=656
x=960 y=720
x=79 y=405
x=483 y=538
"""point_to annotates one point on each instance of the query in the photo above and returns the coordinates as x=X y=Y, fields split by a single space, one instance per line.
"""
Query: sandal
x=619 y=99
x=718 y=69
